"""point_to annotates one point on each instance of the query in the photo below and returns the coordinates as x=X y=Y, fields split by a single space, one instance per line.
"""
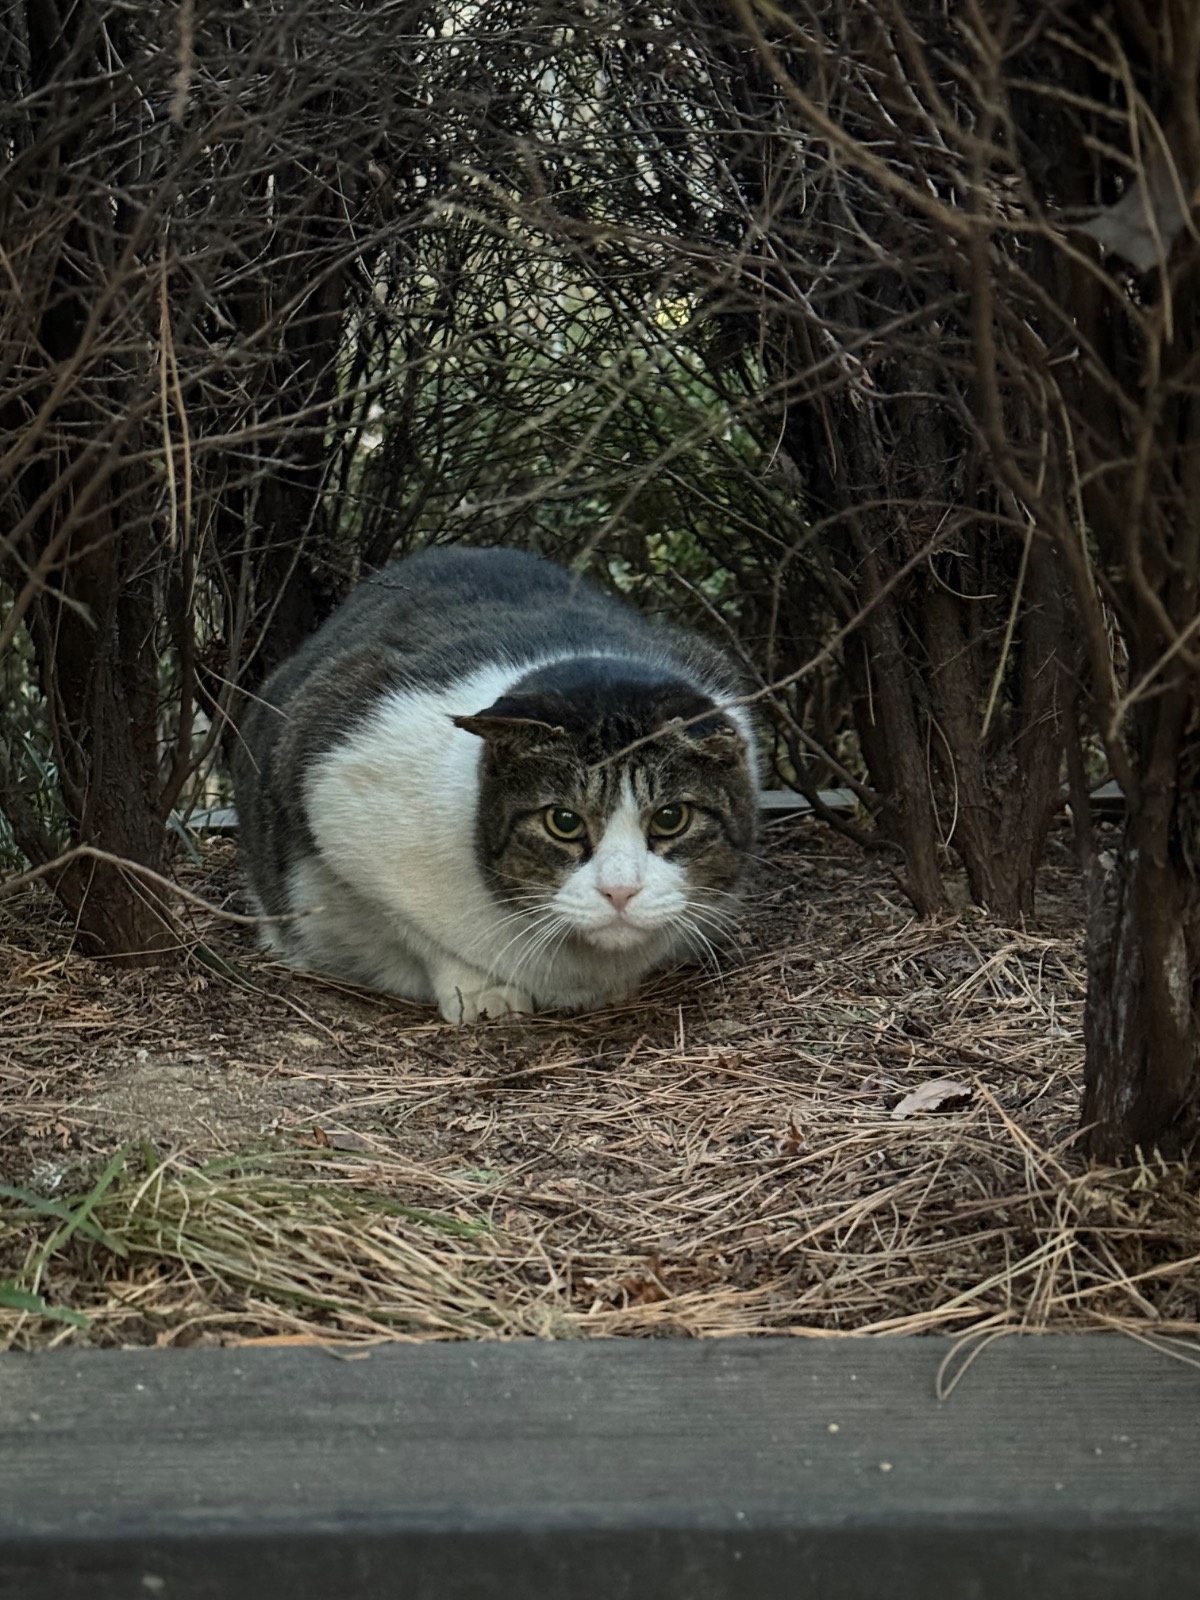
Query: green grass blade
x=80 y=1215
x=36 y=1205
x=14 y=1299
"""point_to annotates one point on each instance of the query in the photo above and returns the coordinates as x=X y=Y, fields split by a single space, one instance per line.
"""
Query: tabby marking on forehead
x=487 y=785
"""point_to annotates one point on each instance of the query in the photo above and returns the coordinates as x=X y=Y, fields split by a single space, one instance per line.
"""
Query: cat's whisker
x=693 y=932
x=528 y=972
x=701 y=948
x=552 y=935
x=541 y=928
x=550 y=939
x=529 y=923
x=692 y=925
x=539 y=933
x=717 y=918
x=520 y=915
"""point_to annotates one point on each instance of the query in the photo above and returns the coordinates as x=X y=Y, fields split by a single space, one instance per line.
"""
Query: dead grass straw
x=722 y=1157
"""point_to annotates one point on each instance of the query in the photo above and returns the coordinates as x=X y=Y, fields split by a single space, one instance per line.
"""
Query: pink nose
x=621 y=896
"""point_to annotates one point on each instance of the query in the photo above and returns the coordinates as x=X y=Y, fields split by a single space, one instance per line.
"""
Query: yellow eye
x=562 y=824
x=668 y=821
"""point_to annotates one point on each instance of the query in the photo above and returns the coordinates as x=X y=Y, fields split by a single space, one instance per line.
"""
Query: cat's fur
x=394 y=777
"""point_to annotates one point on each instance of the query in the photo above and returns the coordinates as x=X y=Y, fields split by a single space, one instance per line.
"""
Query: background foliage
x=863 y=334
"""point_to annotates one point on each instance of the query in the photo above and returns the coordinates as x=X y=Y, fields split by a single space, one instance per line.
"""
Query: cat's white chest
x=394 y=808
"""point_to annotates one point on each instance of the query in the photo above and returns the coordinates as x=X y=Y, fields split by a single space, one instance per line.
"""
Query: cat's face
x=606 y=845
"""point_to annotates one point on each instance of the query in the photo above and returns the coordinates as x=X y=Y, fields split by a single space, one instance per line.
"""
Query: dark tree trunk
x=989 y=796
x=903 y=776
x=89 y=491
x=1143 y=1013
x=1005 y=800
x=177 y=293
x=98 y=663
x=1135 y=408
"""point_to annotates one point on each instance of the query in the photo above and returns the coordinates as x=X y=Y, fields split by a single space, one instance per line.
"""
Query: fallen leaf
x=792 y=1142
x=931 y=1096
x=641 y=1291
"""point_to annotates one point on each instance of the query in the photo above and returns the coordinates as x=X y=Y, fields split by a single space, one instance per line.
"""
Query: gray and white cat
x=486 y=784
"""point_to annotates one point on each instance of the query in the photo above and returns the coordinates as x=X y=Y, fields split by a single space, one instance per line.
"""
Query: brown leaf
x=643 y=1288
x=792 y=1142
x=641 y=1291
x=931 y=1096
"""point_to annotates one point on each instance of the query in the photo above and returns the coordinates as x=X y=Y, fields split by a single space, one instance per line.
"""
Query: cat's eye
x=563 y=824
x=668 y=821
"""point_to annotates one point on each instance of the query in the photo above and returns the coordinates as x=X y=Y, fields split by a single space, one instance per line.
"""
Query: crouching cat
x=485 y=784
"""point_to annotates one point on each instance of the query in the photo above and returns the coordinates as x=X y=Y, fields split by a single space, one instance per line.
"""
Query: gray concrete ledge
x=721 y=1470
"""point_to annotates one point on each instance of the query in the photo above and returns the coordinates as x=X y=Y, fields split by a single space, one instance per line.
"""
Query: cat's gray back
x=436 y=617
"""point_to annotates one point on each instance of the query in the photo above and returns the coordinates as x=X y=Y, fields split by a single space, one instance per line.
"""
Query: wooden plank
x=672 y=1470
x=782 y=802
x=1106 y=801
x=221 y=820
x=775 y=802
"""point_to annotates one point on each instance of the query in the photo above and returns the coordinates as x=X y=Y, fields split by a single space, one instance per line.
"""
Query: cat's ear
x=719 y=739
x=526 y=735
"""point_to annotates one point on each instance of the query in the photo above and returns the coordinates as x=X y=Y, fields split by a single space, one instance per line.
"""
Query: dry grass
x=230 y=1152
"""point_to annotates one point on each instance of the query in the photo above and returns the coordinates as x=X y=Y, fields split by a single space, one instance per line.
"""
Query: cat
x=485 y=784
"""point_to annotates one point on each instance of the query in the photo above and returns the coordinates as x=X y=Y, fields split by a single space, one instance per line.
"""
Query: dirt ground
x=864 y=1123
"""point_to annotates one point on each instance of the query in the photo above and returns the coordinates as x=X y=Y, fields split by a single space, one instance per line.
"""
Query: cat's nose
x=621 y=894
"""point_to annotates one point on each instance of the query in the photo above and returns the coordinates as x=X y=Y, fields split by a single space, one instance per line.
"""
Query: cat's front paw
x=469 y=1002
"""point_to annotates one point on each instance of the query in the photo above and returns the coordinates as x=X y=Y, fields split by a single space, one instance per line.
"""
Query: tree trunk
x=1004 y=794
x=90 y=553
x=1136 y=409
x=1143 y=1016
x=98 y=669
x=904 y=778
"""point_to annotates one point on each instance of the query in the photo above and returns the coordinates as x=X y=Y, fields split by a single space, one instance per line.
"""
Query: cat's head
x=616 y=803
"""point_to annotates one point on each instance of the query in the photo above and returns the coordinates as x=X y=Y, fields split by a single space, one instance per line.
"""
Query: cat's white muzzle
x=619 y=933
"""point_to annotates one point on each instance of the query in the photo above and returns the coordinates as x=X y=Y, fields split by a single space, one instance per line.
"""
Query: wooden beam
x=1059 y=1468
x=1107 y=801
